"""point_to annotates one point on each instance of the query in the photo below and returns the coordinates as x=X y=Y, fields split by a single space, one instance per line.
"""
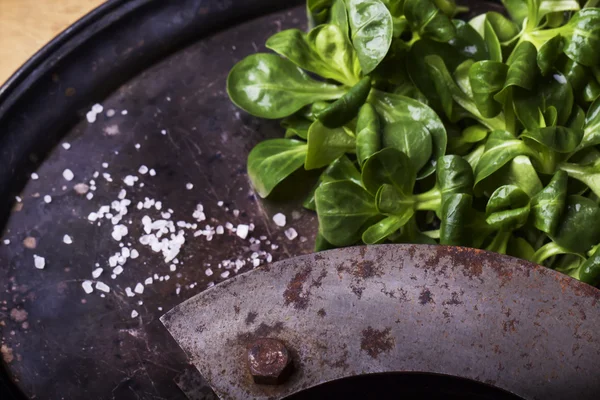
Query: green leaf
x=487 y=79
x=441 y=75
x=341 y=169
x=468 y=137
x=501 y=147
x=317 y=11
x=517 y=9
x=371 y=31
x=549 y=53
x=273 y=160
x=389 y=166
x=508 y=208
x=339 y=16
x=590 y=270
x=520 y=248
x=521 y=70
x=427 y=20
x=518 y=172
x=378 y=232
x=587 y=173
x=591 y=132
x=296 y=125
x=581 y=33
x=579 y=229
x=344 y=209
x=557 y=138
x=325 y=145
x=390 y=200
x=504 y=28
x=324 y=51
x=368 y=133
x=410 y=233
x=411 y=138
x=456 y=212
x=548 y=205
x=454 y=175
x=482 y=25
x=321 y=244
x=467 y=42
x=346 y=108
x=395 y=108
x=268 y=86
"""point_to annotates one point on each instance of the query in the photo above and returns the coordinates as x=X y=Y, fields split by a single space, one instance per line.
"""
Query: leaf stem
x=548 y=250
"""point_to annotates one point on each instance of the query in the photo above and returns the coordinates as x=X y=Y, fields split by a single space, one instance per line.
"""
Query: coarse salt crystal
x=172 y=268
x=91 y=117
x=106 y=176
x=164 y=132
x=279 y=219
x=129 y=292
x=134 y=254
x=68 y=174
x=148 y=281
x=134 y=314
x=110 y=113
x=67 y=239
x=81 y=188
x=118 y=232
x=87 y=286
x=122 y=194
x=97 y=108
x=208 y=272
x=224 y=274
x=220 y=230
x=130 y=180
x=143 y=169
x=89 y=196
x=102 y=287
x=104 y=165
x=139 y=288
x=137 y=146
x=66 y=146
x=189 y=186
x=242 y=231
x=152 y=172
x=117 y=270
x=291 y=233
x=124 y=112
x=7 y=241
x=256 y=262
x=236 y=213
x=48 y=199
x=97 y=272
x=35 y=176
x=39 y=262
x=220 y=203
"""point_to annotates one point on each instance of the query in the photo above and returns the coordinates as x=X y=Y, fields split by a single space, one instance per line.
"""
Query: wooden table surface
x=27 y=25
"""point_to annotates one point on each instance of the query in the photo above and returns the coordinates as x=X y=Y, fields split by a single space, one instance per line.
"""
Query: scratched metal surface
x=58 y=342
x=461 y=312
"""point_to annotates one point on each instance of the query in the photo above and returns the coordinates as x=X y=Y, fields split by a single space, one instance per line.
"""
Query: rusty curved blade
x=447 y=310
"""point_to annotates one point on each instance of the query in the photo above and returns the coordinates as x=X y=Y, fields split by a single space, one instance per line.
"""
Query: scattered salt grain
x=118 y=232
x=87 y=286
x=220 y=230
x=236 y=213
x=97 y=108
x=220 y=204
x=117 y=270
x=148 y=281
x=39 y=262
x=143 y=170
x=102 y=287
x=18 y=199
x=124 y=112
x=67 y=239
x=122 y=194
x=225 y=274
x=104 y=165
x=48 y=199
x=6 y=242
x=134 y=254
x=139 y=288
x=137 y=146
x=128 y=292
x=35 y=176
x=152 y=172
x=91 y=117
x=172 y=268
x=66 y=145
x=130 y=180
x=189 y=186
x=81 y=188
x=242 y=231
x=89 y=196
x=110 y=113
x=97 y=272
x=279 y=219
x=291 y=234
x=164 y=132
x=68 y=174
x=134 y=314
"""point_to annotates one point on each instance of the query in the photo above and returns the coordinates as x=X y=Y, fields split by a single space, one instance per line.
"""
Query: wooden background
x=27 y=25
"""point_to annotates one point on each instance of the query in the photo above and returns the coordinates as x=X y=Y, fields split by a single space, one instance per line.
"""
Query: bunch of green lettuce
x=430 y=129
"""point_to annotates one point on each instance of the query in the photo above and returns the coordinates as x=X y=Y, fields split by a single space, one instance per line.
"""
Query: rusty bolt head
x=269 y=361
